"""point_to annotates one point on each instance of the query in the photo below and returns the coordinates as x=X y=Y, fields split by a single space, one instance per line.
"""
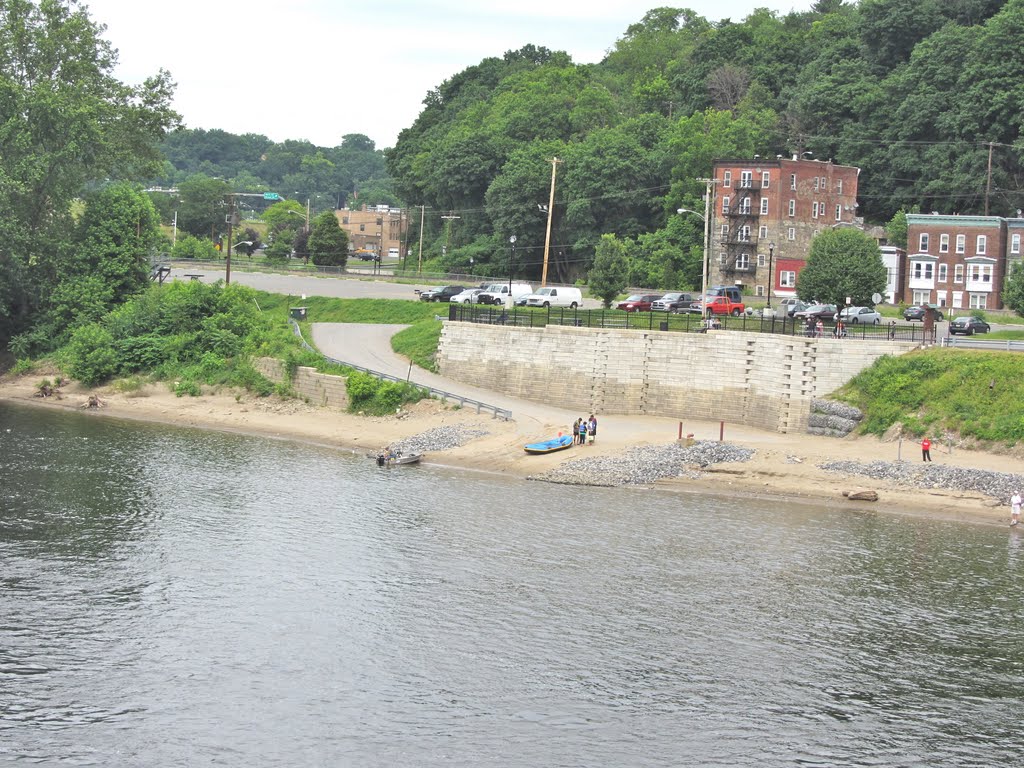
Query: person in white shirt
x=1015 y=508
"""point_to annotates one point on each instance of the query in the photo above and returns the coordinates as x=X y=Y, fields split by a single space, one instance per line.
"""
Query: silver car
x=859 y=316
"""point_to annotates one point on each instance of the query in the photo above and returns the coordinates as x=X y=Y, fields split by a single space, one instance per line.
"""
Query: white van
x=553 y=296
x=503 y=293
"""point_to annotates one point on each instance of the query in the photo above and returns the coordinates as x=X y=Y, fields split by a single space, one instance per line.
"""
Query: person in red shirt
x=926 y=450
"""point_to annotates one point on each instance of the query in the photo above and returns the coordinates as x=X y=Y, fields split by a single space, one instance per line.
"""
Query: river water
x=172 y=597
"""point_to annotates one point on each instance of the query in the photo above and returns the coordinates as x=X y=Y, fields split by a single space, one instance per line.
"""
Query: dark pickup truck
x=444 y=293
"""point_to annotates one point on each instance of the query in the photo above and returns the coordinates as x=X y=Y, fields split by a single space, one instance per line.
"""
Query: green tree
x=328 y=242
x=64 y=121
x=1013 y=291
x=842 y=263
x=896 y=229
x=607 y=277
x=188 y=247
x=203 y=205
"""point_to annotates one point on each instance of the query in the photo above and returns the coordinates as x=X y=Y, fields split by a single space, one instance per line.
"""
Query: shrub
x=187 y=387
x=23 y=366
x=90 y=356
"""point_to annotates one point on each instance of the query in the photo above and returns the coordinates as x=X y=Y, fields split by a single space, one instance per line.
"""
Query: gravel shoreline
x=998 y=485
x=645 y=464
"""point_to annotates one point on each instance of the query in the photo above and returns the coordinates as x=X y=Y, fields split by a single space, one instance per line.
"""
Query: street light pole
x=551 y=209
x=771 y=281
x=511 y=261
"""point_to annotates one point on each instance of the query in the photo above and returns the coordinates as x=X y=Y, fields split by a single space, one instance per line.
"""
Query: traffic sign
x=271 y=196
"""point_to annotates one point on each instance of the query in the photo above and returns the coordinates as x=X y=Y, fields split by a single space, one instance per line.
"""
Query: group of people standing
x=584 y=430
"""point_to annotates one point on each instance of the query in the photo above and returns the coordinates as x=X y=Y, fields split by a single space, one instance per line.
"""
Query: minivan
x=503 y=293
x=555 y=296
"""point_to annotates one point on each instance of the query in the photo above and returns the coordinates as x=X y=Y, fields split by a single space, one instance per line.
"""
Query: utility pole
x=988 y=184
x=231 y=224
x=419 y=265
x=448 y=227
x=707 y=243
x=551 y=210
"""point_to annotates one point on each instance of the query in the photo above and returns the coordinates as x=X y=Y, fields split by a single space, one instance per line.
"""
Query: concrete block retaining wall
x=317 y=388
x=760 y=380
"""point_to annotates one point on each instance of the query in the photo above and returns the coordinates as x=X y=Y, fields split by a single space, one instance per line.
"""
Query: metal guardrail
x=994 y=345
x=683 y=322
x=499 y=413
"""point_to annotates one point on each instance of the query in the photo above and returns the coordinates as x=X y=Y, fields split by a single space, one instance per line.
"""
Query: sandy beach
x=783 y=466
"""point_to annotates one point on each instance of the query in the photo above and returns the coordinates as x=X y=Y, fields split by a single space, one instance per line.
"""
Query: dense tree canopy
x=843 y=264
x=66 y=122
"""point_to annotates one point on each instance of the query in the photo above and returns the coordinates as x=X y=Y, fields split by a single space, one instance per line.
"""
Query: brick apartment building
x=377 y=229
x=782 y=203
x=960 y=262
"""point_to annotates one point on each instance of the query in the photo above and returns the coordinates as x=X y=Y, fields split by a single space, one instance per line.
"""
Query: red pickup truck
x=723 y=305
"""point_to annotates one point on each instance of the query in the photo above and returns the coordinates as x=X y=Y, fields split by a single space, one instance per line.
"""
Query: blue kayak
x=554 y=444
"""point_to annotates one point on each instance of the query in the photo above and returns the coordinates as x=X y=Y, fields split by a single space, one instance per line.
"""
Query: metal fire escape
x=743 y=218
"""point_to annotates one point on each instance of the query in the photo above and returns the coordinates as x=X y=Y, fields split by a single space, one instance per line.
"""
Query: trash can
x=663 y=325
x=297 y=313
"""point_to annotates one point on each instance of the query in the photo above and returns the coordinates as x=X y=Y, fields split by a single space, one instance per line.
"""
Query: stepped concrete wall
x=761 y=380
x=317 y=388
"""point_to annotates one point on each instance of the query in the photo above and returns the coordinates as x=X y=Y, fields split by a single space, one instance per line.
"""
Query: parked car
x=444 y=293
x=364 y=255
x=674 y=302
x=816 y=312
x=468 y=296
x=638 y=302
x=917 y=312
x=859 y=316
x=969 y=326
x=791 y=306
x=555 y=296
x=503 y=293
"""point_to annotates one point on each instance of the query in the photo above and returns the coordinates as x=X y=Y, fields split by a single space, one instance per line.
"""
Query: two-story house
x=959 y=262
x=765 y=214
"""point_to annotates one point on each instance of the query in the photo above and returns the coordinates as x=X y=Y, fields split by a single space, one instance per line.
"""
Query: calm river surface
x=172 y=597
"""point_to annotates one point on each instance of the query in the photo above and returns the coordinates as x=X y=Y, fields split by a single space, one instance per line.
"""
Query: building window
x=982 y=243
x=744 y=234
x=922 y=245
x=759 y=291
x=943 y=243
x=980 y=273
x=792 y=207
x=344 y=219
x=761 y=260
x=958 y=273
x=815 y=183
x=362 y=227
x=745 y=206
x=961 y=243
x=791 y=233
x=824 y=184
x=922 y=297
x=943 y=272
x=746 y=179
x=725 y=205
x=727 y=179
x=979 y=301
x=743 y=261
x=725 y=231
x=764 y=206
x=1015 y=244
x=792 y=181
x=814 y=210
x=762 y=232
x=721 y=258
x=839 y=186
x=923 y=270
x=766 y=178
x=787 y=279
x=839 y=213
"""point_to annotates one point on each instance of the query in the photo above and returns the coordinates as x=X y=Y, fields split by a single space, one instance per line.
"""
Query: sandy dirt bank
x=784 y=466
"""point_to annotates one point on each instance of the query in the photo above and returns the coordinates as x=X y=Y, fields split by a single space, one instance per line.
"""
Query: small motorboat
x=407 y=458
x=559 y=443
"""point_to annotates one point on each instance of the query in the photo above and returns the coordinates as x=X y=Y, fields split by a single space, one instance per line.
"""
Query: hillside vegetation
x=974 y=394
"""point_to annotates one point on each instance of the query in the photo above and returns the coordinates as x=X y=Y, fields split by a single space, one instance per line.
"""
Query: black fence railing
x=683 y=322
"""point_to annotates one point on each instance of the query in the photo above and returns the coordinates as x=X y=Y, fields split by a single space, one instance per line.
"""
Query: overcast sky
x=319 y=69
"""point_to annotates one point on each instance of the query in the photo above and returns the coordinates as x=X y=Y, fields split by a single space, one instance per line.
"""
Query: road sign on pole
x=271 y=196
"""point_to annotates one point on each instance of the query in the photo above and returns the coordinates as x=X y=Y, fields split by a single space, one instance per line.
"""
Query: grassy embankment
x=976 y=395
